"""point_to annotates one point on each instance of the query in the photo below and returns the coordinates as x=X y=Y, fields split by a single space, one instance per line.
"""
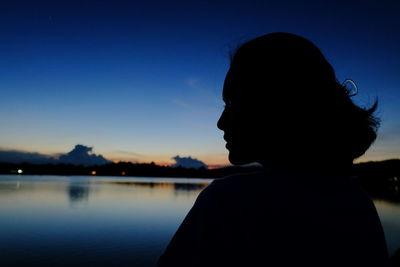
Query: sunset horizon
x=142 y=81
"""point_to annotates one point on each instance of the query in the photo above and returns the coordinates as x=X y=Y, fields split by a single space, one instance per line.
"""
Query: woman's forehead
x=230 y=85
x=239 y=84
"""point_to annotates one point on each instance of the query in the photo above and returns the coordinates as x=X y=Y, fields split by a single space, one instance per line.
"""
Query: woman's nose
x=221 y=124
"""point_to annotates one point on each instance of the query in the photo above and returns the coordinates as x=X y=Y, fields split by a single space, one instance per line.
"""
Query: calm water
x=88 y=221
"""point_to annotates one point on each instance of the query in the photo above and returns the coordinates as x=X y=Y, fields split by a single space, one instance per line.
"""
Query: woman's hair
x=295 y=90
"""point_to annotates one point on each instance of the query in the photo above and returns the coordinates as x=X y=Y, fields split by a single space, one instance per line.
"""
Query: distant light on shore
x=20 y=171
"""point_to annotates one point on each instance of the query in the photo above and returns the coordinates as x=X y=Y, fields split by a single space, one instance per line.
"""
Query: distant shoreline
x=389 y=167
x=381 y=179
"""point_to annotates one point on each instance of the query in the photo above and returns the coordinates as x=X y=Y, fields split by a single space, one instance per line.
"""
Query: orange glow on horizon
x=212 y=161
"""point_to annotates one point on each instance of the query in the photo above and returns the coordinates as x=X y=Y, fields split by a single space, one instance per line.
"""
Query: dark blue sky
x=141 y=80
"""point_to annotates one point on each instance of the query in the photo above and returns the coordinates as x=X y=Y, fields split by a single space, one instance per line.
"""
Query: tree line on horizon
x=381 y=179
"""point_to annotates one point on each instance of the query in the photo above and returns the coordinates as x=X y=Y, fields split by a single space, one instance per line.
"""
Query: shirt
x=273 y=218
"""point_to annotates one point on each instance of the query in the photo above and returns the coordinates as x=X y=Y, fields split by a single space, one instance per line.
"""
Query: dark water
x=107 y=221
x=88 y=221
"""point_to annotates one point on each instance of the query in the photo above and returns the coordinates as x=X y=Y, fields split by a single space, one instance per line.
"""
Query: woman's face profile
x=243 y=132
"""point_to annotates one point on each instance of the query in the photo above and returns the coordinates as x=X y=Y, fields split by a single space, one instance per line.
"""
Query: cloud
x=129 y=153
x=15 y=156
x=184 y=105
x=82 y=155
x=193 y=82
x=188 y=162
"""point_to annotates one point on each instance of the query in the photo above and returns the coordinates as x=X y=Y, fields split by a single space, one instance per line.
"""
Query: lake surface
x=108 y=221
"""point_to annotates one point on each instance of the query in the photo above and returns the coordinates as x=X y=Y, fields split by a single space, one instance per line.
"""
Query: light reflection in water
x=389 y=213
x=78 y=193
x=80 y=221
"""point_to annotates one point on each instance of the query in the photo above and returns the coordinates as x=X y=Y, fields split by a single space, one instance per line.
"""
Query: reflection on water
x=81 y=221
x=389 y=213
x=108 y=221
x=78 y=192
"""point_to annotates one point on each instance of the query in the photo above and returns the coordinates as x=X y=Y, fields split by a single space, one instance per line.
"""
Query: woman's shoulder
x=241 y=180
x=239 y=187
x=279 y=184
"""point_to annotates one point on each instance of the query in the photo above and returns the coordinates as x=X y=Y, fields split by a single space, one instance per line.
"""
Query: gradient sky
x=142 y=80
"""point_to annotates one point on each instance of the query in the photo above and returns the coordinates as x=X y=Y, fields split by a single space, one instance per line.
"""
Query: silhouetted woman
x=285 y=110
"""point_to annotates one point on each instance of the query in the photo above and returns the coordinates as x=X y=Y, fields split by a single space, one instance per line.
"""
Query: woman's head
x=284 y=105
